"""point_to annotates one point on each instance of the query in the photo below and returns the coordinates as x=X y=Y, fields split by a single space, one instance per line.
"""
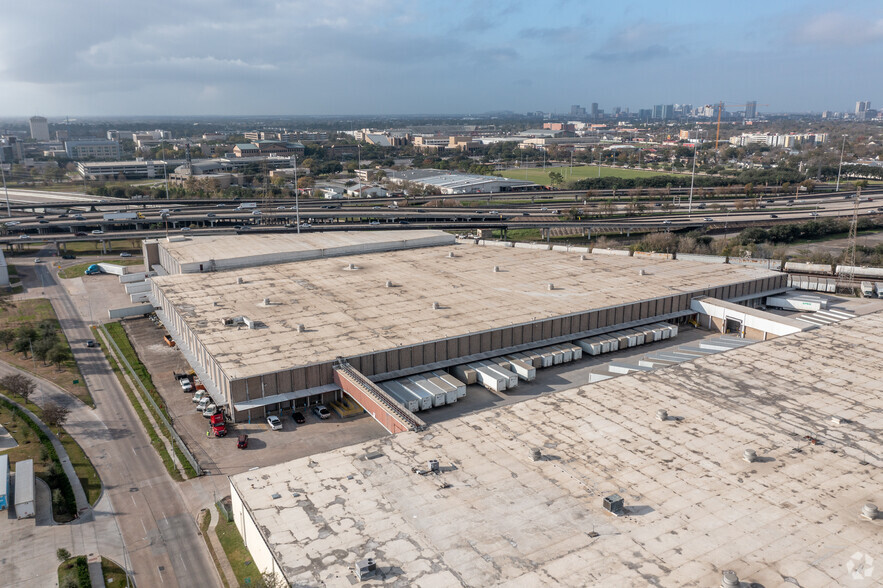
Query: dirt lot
x=265 y=447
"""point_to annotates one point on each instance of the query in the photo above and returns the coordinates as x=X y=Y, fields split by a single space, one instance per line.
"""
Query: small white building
x=366 y=191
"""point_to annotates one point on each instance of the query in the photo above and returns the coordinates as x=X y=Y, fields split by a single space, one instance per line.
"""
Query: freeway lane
x=160 y=534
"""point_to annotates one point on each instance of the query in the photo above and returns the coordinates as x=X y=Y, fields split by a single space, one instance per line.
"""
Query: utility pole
x=6 y=190
x=692 y=179
x=165 y=173
x=296 y=199
x=840 y=167
x=847 y=276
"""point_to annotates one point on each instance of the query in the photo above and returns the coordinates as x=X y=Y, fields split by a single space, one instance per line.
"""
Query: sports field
x=541 y=176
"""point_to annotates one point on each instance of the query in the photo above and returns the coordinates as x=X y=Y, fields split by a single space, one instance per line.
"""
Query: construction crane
x=720 y=111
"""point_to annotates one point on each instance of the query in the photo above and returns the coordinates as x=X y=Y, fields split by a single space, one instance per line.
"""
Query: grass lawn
x=237 y=554
x=82 y=464
x=114 y=575
x=205 y=519
x=94 y=247
x=72 y=568
x=31 y=312
x=580 y=172
x=79 y=269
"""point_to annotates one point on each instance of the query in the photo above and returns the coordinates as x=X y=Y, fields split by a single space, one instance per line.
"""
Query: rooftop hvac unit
x=614 y=504
x=366 y=568
x=248 y=322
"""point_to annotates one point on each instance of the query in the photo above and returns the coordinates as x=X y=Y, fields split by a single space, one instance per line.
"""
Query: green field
x=541 y=176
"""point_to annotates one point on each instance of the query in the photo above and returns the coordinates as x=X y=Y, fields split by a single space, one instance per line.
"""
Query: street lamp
x=840 y=167
x=8 y=210
x=296 y=199
x=692 y=179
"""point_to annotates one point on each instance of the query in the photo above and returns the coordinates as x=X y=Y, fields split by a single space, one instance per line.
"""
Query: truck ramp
x=391 y=415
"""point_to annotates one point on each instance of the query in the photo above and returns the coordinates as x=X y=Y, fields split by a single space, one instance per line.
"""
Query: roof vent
x=301 y=328
x=249 y=323
x=496 y=269
x=351 y=267
x=870 y=512
x=451 y=254
x=749 y=455
x=536 y=454
x=662 y=415
x=582 y=257
x=239 y=280
x=215 y=303
x=550 y=286
x=730 y=579
x=641 y=272
x=366 y=568
x=266 y=302
x=389 y=284
x=435 y=306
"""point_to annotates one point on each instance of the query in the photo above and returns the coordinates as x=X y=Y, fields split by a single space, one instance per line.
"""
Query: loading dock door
x=733 y=326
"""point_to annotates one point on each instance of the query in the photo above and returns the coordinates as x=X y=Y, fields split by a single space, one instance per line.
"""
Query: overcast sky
x=290 y=57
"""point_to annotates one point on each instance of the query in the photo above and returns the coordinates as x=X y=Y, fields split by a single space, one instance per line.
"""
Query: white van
x=203 y=403
x=209 y=410
x=200 y=394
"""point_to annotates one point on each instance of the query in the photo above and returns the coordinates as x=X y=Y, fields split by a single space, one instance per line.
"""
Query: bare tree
x=55 y=414
x=18 y=385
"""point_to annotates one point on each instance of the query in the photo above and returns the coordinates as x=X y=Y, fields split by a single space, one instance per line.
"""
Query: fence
x=145 y=394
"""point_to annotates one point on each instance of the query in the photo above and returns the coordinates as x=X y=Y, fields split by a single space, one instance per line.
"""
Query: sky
x=370 y=57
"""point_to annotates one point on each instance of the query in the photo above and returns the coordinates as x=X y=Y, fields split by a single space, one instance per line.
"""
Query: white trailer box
x=618 y=367
x=398 y=394
x=802 y=303
x=600 y=376
x=511 y=378
x=522 y=369
x=427 y=400
x=110 y=268
x=465 y=374
x=438 y=395
x=4 y=482
x=590 y=346
x=576 y=350
x=489 y=379
x=451 y=395
x=566 y=350
x=868 y=290
x=25 y=490
x=460 y=386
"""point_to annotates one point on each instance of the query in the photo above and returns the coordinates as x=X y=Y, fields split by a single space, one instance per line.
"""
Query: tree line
x=42 y=341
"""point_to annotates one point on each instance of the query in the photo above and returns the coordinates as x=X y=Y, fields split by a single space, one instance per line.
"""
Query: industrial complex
x=762 y=472
x=265 y=334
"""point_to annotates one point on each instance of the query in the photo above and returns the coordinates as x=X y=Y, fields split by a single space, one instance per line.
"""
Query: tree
x=55 y=414
x=18 y=385
x=42 y=348
x=7 y=336
x=556 y=178
x=62 y=554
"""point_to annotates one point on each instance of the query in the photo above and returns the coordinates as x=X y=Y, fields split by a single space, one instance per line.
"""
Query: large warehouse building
x=695 y=511
x=268 y=334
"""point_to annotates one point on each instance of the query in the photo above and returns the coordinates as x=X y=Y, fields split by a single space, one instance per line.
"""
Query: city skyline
x=395 y=57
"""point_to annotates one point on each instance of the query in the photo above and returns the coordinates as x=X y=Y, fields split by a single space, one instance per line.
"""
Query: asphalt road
x=160 y=534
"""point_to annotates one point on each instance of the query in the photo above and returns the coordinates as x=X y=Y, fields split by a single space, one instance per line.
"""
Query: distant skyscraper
x=39 y=128
x=594 y=110
x=751 y=110
x=862 y=106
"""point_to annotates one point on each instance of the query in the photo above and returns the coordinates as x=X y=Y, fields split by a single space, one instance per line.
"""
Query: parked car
x=91 y=343
x=321 y=411
x=38 y=260
x=242 y=442
x=125 y=254
x=298 y=417
x=24 y=236
x=210 y=410
x=708 y=219
x=274 y=423
x=80 y=233
x=774 y=216
x=814 y=213
x=97 y=232
x=68 y=256
x=666 y=222
x=374 y=223
x=186 y=386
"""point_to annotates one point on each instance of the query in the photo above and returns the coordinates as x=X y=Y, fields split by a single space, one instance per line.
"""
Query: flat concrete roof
x=352 y=312
x=222 y=247
x=694 y=506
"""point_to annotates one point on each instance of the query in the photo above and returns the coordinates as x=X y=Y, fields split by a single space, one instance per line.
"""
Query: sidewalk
x=212 y=537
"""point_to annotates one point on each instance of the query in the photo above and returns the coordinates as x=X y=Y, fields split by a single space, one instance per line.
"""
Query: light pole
x=8 y=210
x=296 y=199
x=840 y=167
x=692 y=178
x=165 y=174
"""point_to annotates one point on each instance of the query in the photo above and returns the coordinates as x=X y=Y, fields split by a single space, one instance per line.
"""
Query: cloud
x=641 y=41
x=553 y=34
x=839 y=29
